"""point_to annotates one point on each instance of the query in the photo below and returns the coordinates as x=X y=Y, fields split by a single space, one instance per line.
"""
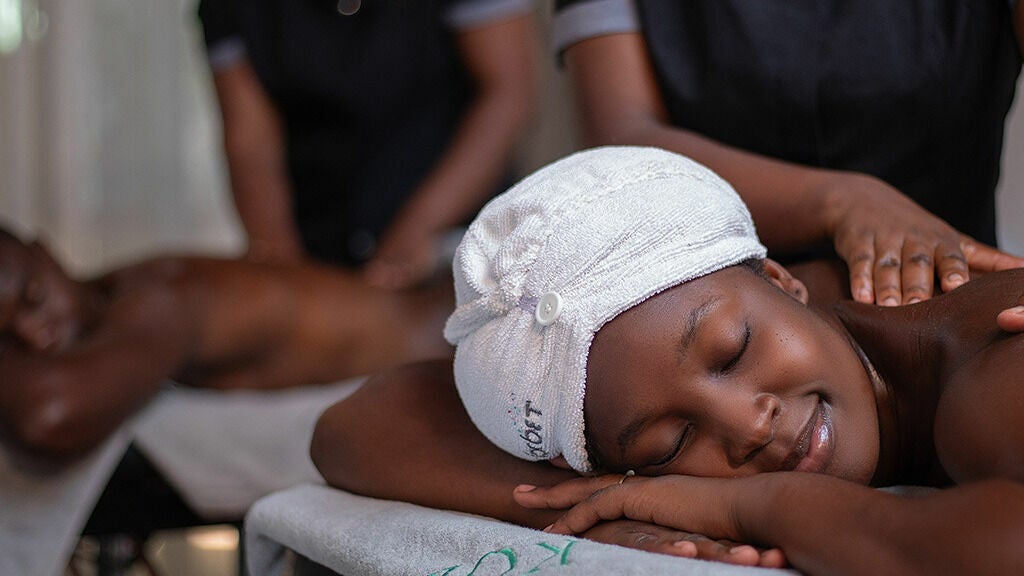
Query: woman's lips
x=818 y=441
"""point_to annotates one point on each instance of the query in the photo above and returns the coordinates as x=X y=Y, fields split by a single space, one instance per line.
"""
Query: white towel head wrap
x=550 y=261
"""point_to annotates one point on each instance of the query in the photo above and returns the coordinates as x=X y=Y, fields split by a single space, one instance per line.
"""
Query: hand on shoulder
x=1012 y=319
x=895 y=249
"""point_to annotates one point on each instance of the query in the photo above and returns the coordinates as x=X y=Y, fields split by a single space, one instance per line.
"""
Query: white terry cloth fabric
x=43 y=507
x=223 y=450
x=358 y=536
x=544 y=265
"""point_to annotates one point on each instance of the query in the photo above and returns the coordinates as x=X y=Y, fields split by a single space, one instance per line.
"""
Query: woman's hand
x=895 y=249
x=599 y=512
x=700 y=505
x=662 y=540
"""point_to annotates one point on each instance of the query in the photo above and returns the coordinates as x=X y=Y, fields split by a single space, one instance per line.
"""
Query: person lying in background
x=78 y=357
x=880 y=143
x=617 y=319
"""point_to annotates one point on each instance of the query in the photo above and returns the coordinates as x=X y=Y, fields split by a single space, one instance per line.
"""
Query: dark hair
x=755 y=265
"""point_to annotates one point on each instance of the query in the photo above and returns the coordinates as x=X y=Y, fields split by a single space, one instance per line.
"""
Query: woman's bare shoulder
x=979 y=424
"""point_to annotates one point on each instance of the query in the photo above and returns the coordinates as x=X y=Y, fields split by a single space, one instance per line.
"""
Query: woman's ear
x=778 y=275
x=560 y=462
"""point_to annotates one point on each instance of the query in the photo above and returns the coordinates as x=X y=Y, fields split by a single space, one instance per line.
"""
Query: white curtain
x=1010 y=199
x=109 y=139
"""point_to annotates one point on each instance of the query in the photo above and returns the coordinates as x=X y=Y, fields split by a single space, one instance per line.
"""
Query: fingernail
x=525 y=488
x=549 y=527
x=913 y=300
x=1018 y=310
x=864 y=295
x=955 y=278
x=685 y=547
x=890 y=301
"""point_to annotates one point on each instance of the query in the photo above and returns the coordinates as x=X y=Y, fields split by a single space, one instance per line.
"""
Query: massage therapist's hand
x=633 y=532
x=1012 y=319
x=403 y=259
x=278 y=251
x=895 y=249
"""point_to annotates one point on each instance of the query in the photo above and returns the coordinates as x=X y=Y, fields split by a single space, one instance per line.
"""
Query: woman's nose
x=754 y=429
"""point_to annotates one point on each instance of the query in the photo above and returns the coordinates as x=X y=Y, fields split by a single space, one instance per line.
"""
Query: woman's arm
x=500 y=59
x=824 y=525
x=894 y=248
x=404 y=435
x=255 y=148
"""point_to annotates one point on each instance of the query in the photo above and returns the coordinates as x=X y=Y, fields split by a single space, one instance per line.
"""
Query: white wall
x=1011 y=186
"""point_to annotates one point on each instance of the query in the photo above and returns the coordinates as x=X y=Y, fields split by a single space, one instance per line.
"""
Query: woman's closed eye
x=672 y=454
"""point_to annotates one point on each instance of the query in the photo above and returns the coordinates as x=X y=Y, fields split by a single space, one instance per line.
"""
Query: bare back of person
x=274 y=325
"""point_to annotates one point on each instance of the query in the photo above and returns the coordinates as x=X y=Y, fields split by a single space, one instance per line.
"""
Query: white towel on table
x=223 y=450
x=358 y=536
x=220 y=451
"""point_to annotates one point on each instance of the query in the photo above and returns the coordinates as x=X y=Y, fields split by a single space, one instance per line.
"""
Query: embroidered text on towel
x=507 y=556
x=531 y=433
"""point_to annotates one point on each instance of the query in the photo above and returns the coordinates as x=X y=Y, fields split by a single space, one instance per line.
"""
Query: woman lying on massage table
x=78 y=357
x=615 y=313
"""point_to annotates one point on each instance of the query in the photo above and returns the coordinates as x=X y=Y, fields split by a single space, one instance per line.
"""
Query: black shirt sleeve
x=562 y=4
x=219 y=19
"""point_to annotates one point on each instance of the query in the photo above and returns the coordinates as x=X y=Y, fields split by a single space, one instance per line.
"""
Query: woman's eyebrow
x=694 y=323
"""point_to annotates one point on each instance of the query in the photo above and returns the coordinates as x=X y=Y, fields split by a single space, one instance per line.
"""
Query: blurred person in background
x=79 y=356
x=359 y=133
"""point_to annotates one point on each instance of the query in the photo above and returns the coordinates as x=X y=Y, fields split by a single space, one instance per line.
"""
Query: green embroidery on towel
x=555 y=551
x=506 y=552
x=512 y=558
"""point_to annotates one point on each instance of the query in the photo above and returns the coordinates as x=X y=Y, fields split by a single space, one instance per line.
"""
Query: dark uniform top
x=914 y=92
x=368 y=101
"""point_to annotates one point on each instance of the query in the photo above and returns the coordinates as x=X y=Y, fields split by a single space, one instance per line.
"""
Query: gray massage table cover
x=220 y=450
x=357 y=536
